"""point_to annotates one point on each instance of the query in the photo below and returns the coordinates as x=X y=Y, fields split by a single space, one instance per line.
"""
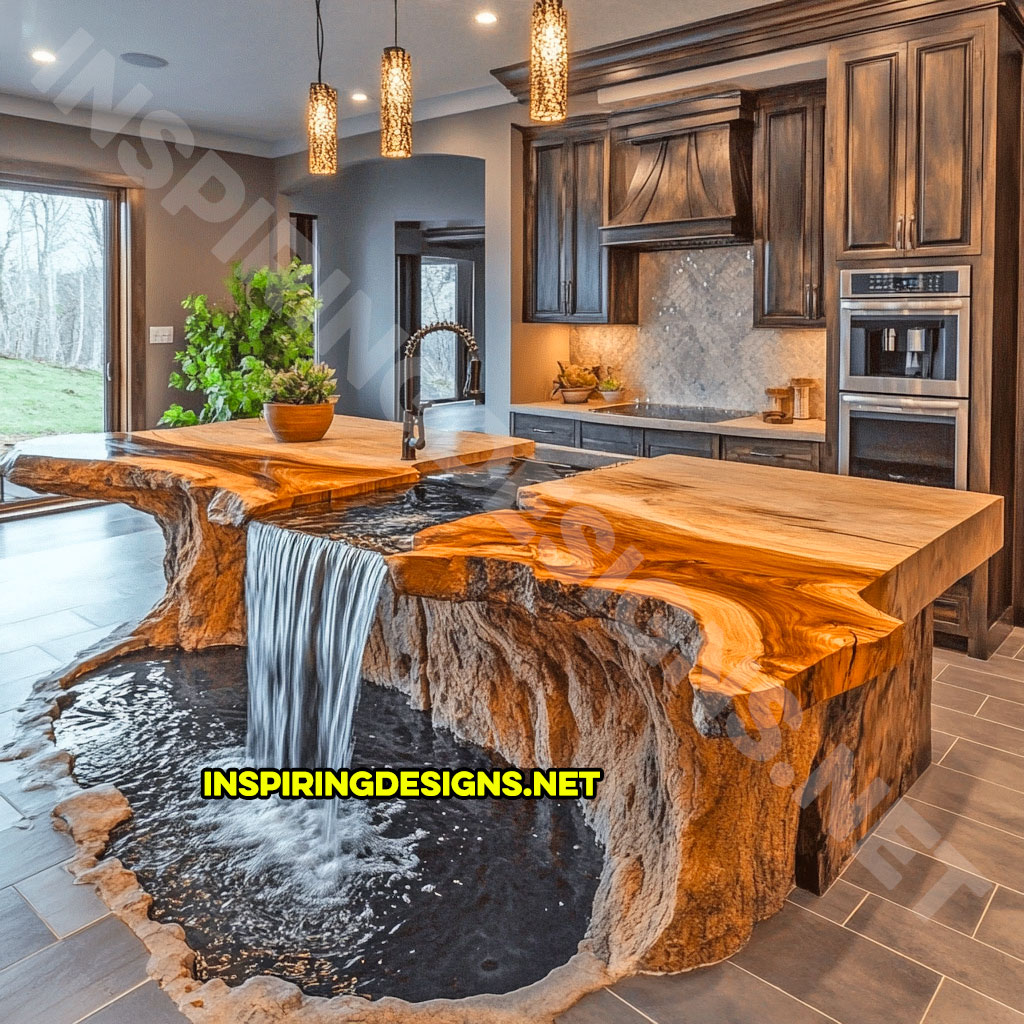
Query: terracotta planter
x=575 y=396
x=293 y=423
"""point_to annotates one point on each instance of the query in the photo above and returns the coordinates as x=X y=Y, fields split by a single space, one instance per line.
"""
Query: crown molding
x=751 y=33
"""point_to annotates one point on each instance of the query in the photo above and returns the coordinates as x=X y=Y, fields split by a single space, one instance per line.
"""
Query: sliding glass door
x=58 y=288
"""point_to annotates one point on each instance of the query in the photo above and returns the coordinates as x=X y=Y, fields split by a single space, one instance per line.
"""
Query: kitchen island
x=745 y=652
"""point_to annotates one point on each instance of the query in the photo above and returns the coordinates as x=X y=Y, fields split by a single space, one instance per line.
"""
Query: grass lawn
x=37 y=399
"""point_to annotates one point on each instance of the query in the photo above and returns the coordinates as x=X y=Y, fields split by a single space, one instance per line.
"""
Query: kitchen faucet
x=414 y=435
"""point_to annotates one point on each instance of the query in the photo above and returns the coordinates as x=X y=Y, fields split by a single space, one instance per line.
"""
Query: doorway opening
x=63 y=340
x=440 y=279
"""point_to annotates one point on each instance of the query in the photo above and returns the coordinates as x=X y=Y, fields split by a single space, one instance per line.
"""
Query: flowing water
x=418 y=898
x=310 y=603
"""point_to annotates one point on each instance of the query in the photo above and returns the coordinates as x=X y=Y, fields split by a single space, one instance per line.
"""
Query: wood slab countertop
x=600 y=411
x=250 y=470
x=795 y=579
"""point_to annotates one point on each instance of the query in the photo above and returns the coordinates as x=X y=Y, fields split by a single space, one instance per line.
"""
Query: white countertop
x=746 y=426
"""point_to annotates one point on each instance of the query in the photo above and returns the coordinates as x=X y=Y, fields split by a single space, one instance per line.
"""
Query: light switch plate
x=161 y=335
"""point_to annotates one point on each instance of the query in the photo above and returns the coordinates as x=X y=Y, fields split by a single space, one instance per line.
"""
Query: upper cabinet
x=789 y=173
x=905 y=142
x=569 y=277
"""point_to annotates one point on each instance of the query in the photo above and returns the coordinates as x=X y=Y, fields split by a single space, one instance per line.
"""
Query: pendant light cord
x=396 y=24
x=320 y=44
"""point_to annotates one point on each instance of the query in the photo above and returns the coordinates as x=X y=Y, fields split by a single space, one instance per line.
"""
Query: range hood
x=682 y=173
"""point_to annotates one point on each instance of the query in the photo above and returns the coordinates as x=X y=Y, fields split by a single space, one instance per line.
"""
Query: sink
x=687 y=413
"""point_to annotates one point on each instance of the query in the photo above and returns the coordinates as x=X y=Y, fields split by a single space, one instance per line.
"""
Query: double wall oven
x=904 y=375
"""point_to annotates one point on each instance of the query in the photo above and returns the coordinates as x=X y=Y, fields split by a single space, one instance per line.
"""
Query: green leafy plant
x=228 y=352
x=610 y=383
x=305 y=383
x=572 y=375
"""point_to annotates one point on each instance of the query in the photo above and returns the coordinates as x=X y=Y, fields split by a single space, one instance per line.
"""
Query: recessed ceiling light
x=486 y=18
x=359 y=97
x=143 y=60
x=44 y=57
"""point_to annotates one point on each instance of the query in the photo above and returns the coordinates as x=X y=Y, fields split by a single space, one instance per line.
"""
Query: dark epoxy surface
x=388 y=520
x=419 y=899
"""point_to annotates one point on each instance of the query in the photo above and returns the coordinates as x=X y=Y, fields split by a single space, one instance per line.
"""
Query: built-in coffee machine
x=904 y=374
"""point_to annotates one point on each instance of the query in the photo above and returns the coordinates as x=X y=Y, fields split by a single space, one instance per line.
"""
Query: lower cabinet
x=638 y=441
x=605 y=437
x=546 y=429
x=772 y=452
x=680 y=442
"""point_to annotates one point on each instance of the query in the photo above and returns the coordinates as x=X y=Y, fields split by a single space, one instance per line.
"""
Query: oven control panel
x=924 y=281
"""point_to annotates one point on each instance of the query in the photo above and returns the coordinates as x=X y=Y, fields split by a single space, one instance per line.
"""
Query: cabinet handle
x=816 y=302
x=542 y=430
x=911 y=241
x=899 y=233
x=569 y=296
x=808 y=301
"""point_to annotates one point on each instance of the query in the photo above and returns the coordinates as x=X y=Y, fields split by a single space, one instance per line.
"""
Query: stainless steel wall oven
x=905 y=374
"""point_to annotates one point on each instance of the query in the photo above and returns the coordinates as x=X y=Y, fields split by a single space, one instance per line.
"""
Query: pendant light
x=549 y=62
x=322 y=117
x=395 y=100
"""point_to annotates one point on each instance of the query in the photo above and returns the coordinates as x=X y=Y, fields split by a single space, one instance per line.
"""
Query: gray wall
x=356 y=212
x=188 y=249
x=521 y=358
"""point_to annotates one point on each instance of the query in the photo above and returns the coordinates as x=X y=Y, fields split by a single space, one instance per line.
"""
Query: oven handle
x=907 y=307
x=908 y=406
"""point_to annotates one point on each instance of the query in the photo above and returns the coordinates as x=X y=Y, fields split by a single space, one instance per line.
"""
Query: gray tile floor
x=925 y=927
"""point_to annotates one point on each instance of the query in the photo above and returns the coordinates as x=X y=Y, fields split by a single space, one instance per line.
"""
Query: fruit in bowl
x=574 y=383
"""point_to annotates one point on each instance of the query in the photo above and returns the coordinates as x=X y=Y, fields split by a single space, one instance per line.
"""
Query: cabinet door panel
x=548 y=185
x=789 y=196
x=944 y=94
x=589 y=261
x=786 y=273
x=872 y=109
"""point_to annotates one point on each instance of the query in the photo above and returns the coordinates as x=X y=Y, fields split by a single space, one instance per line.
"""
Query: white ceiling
x=241 y=68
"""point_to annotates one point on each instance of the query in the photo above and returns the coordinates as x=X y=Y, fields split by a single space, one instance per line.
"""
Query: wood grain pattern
x=203 y=484
x=810 y=596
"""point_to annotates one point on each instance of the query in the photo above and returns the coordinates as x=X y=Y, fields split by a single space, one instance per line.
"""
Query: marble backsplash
x=695 y=344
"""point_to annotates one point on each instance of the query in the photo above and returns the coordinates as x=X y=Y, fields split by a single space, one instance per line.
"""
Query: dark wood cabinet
x=944 y=151
x=569 y=277
x=785 y=454
x=789 y=172
x=607 y=437
x=906 y=144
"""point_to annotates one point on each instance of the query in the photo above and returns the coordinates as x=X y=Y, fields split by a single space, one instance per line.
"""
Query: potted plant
x=574 y=383
x=229 y=350
x=611 y=388
x=298 y=403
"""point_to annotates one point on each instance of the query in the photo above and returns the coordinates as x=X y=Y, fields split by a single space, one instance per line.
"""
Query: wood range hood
x=681 y=173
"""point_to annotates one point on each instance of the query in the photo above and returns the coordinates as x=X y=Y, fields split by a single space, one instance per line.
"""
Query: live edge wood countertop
x=794 y=579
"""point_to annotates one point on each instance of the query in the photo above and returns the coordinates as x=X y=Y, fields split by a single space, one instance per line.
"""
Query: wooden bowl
x=293 y=423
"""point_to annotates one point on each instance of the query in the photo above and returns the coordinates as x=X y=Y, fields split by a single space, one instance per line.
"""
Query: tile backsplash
x=695 y=344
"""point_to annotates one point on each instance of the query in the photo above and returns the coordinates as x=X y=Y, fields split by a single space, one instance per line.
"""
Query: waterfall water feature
x=310 y=603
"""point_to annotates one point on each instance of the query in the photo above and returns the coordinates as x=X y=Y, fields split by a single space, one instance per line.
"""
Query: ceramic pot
x=575 y=396
x=612 y=396
x=293 y=423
